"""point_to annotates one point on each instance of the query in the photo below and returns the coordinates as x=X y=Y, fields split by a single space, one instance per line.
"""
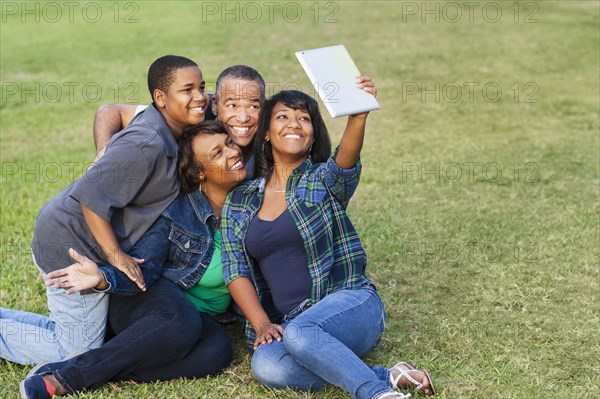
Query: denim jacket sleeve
x=153 y=247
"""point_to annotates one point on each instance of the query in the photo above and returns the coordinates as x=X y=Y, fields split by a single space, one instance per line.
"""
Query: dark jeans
x=159 y=336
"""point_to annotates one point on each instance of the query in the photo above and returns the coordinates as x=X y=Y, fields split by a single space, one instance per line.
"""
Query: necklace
x=276 y=191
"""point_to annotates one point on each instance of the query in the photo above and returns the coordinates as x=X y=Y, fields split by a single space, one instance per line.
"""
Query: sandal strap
x=404 y=373
x=394 y=395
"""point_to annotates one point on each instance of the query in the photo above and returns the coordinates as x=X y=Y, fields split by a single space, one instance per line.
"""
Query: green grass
x=490 y=282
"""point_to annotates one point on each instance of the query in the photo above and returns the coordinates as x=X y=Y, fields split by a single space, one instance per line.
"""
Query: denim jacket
x=179 y=246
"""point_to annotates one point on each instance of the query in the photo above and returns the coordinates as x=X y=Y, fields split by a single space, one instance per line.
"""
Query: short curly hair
x=162 y=72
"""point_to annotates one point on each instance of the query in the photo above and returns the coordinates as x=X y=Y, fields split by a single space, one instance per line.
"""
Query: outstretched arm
x=352 y=140
x=110 y=119
x=243 y=293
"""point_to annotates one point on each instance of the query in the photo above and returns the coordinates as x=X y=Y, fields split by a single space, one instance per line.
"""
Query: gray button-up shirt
x=129 y=186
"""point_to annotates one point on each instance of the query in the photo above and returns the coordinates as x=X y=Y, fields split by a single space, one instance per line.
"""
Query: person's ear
x=159 y=98
x=202 y=178
x=214 y=104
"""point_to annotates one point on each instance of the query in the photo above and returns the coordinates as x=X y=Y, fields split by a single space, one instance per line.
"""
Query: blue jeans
x=323 y=345
x=159 y=336
x=76 y=321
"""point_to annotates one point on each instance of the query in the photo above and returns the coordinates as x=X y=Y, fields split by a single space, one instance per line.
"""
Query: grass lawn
x=479 y=199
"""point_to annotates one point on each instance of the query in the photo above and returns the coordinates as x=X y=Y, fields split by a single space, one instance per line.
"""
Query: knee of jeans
x=191 y=317
x=191 y=322
x=268 y=371
x=184 y=326
x=69 y=338
x=299 y=336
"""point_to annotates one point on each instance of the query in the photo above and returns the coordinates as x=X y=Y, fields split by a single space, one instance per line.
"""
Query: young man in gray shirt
x=103 y=214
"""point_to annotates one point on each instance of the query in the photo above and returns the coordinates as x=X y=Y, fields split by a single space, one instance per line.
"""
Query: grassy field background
x=479 y=201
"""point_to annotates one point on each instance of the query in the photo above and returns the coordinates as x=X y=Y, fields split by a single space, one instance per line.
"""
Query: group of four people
x=252 y=205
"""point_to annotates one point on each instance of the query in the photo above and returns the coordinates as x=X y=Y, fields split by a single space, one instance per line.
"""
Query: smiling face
x=184 y=103
x=221 y=159
x=237 y=107
x=290 y=133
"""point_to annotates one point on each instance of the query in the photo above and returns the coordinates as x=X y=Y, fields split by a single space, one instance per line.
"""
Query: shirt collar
x=201 y=205
x=256 y=184
x=303 y=167
x=260 y=183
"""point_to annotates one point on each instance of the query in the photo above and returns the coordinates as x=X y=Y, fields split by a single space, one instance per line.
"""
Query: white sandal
x=394 y=395
x=405 y=372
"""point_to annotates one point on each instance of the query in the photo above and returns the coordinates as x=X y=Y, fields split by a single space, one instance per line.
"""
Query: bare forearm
x=243 y=293
x=103 y=233
x=106 y=123
x=354 y=135
x=111 y=119
x=105 y=236
x=352 y=142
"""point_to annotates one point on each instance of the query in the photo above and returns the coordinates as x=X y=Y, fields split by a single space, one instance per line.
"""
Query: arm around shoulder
x=109 y=120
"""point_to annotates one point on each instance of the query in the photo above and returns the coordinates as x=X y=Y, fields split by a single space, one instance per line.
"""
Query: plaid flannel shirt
x=317 y=196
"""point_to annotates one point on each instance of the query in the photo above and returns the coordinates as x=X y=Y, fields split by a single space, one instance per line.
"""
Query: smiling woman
x=300 y=115
x=288 y=242
x=216 y=167
x=290 y=133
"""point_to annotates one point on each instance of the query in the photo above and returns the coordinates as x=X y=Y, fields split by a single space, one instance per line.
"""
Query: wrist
x=358 y=117
x=102 y=283
x=260 y=326
x=114 y=255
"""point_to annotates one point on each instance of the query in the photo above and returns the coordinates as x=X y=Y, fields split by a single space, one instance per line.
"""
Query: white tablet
x=333 y=74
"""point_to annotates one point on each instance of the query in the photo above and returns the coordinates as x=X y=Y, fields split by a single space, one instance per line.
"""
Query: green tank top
x=210 y=294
